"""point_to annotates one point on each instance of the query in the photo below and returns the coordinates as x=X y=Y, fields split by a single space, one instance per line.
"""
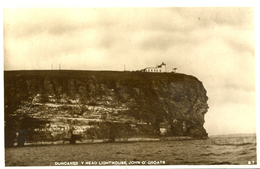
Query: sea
x=216 y=150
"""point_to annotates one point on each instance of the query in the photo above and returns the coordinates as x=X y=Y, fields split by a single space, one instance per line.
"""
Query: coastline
x=117 y=140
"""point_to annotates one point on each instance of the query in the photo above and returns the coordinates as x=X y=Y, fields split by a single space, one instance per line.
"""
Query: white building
x=158 y=68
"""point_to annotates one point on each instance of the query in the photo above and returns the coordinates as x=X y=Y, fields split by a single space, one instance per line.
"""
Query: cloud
x=164 y=40
x=216 y=45
x=245 y=45
x=23 y=23
x=178 y=36
x=219 y=16
x=234 y=118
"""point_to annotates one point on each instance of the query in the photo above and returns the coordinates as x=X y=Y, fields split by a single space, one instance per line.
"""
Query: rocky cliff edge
x=59 y=104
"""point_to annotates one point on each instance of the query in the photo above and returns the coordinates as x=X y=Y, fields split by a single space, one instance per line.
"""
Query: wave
x=234 y=144
x=223 y=163
x=254 y=148
x=208 y=154
x=243 y=153
x=209 y=163
x=178 y=158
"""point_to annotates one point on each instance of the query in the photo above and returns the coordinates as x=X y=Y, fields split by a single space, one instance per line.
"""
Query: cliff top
x=100 y=75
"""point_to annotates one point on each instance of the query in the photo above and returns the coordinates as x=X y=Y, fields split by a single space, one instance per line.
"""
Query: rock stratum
x=63 y=105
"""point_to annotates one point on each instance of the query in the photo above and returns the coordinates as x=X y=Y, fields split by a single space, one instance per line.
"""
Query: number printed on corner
x=251 y=162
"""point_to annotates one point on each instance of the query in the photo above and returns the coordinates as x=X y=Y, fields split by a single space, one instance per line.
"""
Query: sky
x=214 y=44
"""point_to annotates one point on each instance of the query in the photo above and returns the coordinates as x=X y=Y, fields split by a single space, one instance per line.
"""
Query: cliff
x=60 y=104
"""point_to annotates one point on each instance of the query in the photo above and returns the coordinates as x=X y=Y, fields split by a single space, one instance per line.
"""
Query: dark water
x=218 y=150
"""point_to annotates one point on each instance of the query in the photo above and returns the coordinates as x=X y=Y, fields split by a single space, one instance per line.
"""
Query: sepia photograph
x=129 y=86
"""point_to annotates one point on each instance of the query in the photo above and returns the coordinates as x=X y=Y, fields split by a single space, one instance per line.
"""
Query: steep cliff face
x=102 y=104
